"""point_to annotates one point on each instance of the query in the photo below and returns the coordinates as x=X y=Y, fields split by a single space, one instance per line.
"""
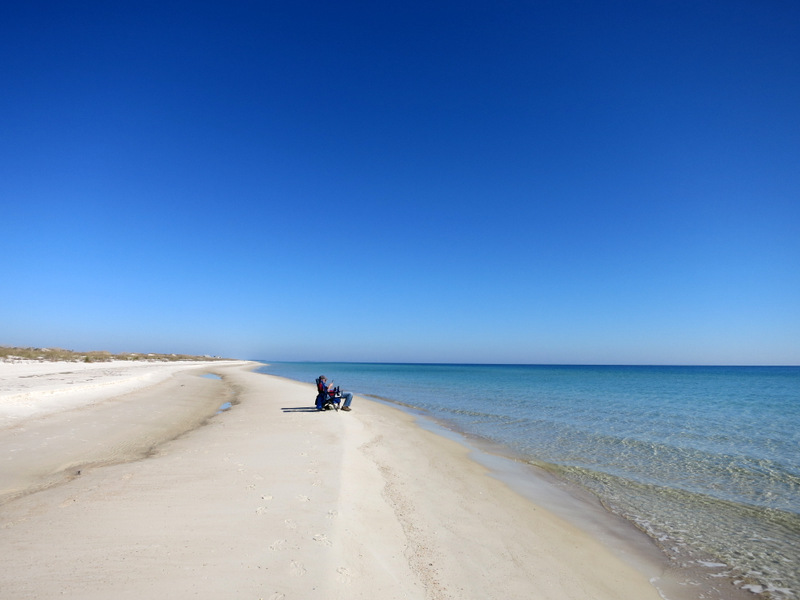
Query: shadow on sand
x=295 y=409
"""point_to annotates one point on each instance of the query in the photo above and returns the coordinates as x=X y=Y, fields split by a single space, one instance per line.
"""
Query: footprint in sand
x=266 y=497
x=317 y=482
x=331 y=514
x=344 y=575
x=322 y=539
x=277 y=596
x=303 y=498
x=297 y=569
x=277 y=545
x=290 y=524
x=261 y=510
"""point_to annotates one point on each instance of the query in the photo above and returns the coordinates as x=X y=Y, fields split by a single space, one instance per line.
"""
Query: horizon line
x=473 y=364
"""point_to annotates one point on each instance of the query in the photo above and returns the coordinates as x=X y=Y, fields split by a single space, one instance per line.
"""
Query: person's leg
x=348 y=398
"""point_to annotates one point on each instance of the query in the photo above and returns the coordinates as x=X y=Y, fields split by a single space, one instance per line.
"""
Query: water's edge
x=577 y=506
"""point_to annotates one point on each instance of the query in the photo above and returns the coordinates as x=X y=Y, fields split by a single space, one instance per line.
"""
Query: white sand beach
x=143 y=491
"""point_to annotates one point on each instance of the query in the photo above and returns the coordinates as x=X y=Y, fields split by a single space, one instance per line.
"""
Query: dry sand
x=274 y=500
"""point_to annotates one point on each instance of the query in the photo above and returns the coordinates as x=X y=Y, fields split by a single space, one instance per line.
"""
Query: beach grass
x=9 y=353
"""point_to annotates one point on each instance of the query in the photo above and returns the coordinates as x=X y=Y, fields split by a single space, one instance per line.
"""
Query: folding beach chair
x=327 y=399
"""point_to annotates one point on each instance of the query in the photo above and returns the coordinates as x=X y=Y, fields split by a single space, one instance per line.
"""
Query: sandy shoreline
x=274 y=500
x=33 y=388
x=57 y=418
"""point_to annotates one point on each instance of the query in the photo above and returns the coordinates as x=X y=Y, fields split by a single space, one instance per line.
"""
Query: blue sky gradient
x=514 y=182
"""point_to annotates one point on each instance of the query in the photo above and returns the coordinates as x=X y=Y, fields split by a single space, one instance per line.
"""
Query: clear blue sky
x=498 y=181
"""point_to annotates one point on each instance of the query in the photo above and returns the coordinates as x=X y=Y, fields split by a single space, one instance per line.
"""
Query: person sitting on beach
x=331 y=391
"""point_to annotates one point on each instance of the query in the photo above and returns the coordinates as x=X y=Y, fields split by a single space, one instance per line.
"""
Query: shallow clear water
x=706 y=460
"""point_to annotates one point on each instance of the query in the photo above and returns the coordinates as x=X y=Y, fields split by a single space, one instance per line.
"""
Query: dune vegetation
x=9 y=353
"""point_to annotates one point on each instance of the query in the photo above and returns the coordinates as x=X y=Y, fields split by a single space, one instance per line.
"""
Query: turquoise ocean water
x=705 y=460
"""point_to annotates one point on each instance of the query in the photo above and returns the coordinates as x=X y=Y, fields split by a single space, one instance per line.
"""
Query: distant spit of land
x=9 y=353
